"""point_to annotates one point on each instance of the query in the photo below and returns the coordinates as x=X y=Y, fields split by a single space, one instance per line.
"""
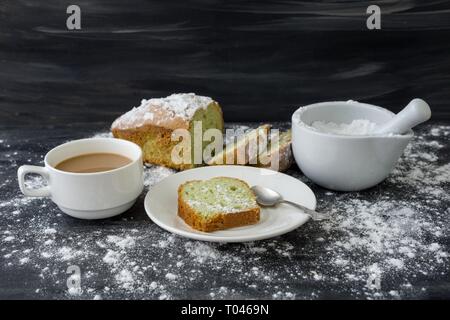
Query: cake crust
x=142 y=135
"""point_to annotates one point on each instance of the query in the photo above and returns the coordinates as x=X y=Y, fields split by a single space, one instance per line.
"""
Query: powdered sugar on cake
x=178 y=105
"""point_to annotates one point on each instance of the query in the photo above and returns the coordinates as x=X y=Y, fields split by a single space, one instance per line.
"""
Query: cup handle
x=40 y=192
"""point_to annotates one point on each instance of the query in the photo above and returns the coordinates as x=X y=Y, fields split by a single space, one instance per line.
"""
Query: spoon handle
x=316 y=216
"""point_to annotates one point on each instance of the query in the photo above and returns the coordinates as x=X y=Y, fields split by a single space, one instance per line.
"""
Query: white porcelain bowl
x=343 y=162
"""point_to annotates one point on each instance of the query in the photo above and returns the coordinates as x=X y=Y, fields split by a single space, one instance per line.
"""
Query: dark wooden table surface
x=389 y=242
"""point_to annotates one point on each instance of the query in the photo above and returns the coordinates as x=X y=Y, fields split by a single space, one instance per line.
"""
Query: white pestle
x=416 y=112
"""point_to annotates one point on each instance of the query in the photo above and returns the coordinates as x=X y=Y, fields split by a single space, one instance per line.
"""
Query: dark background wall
x=260 y=60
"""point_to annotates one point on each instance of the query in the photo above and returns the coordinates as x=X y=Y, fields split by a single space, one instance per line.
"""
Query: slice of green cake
x=278 y=155
x=218 y=203
x=243 y=150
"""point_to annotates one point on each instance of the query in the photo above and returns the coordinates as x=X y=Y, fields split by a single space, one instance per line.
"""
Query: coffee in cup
x=90 y=178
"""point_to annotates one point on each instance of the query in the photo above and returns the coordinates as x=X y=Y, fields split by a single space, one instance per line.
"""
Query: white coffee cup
x=95 y=195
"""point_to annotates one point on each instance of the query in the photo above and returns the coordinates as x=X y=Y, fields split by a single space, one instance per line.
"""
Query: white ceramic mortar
x=344 y=162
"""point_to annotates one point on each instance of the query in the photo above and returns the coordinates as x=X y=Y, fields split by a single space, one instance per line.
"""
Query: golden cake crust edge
x=139 y=136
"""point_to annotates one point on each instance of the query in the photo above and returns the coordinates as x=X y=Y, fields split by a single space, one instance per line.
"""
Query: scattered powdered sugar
x=201 y=252
x=171 y=276
x=50 y=231
x=153 y=174
x=388 y=242
x=125 y=279
x=358 y=127
x=122 y=243
x=376 y=239
x=179 y=105
x=103 y=135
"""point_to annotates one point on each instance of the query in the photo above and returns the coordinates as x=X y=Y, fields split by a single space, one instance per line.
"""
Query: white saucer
x=161 y=204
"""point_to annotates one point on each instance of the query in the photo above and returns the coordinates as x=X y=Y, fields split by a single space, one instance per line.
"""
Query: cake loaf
x=152 y=123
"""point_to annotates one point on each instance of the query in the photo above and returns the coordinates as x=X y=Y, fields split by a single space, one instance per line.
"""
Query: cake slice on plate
x=216 y=204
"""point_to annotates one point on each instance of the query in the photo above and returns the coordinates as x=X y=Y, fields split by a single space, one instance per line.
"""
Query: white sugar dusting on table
x=395 y=231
